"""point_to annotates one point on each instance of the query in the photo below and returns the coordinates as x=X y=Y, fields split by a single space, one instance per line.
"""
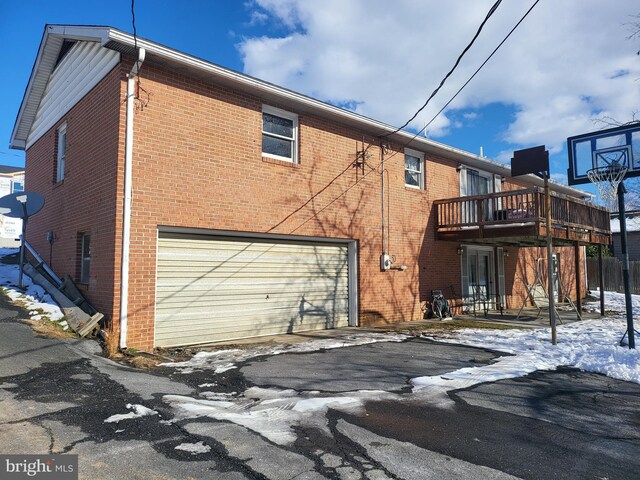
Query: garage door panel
x=309 y=299
x=264 y=323
x=212 y=288
x=231 y=317
x=257 y=284
x=226 y=306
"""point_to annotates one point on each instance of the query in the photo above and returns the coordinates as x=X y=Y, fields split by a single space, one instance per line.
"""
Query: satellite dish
x=13 y=205
x=21 y=205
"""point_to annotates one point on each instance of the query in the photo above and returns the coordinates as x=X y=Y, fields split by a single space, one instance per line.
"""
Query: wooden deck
x=518 y=217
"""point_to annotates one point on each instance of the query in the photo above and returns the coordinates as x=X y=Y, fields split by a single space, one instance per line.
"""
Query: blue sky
x=552 y=79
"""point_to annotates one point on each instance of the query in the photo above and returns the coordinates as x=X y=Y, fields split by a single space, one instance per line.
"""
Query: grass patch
x=50 y=329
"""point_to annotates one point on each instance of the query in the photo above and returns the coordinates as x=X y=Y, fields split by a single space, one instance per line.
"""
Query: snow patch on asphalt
x=273 y=413
x=138 y=411
x=217 y=395
x=194 y=448
x=224 y=368
x=223 y=360
x=590 y=345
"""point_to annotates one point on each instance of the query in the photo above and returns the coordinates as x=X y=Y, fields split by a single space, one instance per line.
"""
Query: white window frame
x=421 y=176
x=289 y=116
x=61 y=152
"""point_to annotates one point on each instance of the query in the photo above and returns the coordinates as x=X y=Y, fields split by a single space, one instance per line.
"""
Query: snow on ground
x=273 y=412
x=137 y=412
x=223 y=360
x=194 y=448
x=35 y=299
x=613 y=301
x=591 y=345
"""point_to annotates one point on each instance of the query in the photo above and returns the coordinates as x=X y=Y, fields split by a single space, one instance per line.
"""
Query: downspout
x=126 y=213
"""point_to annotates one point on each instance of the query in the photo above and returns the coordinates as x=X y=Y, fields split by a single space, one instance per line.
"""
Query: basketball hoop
x=607 y=179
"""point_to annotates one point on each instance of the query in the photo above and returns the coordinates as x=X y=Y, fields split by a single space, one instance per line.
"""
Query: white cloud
x=567 y=64
x=559 y=177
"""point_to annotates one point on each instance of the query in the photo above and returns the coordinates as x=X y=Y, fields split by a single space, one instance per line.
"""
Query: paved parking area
x=560 y=424
x=56 y=395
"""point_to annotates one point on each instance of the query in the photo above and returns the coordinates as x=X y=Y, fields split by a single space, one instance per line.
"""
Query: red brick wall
x=85 y=201
x=197 y=163
x=520 y=271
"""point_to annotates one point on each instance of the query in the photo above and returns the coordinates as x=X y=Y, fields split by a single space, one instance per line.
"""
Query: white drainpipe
x=126 y=214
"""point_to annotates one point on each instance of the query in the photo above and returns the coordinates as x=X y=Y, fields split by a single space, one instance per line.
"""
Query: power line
x=315 y=214
x=469 y=80
x=133 y=24
x=433 y=94
x=479 y=68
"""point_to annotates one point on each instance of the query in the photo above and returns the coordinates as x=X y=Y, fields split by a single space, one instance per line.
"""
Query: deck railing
x=520 y=207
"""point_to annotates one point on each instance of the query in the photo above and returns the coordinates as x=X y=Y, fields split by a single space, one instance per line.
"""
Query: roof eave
x=374 y=126
x=41 y=70
x=111 y=38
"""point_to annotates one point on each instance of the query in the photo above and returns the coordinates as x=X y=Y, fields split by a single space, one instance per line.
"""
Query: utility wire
x=479 y=68
x=467 y=82
x=133 y=24
x=459 y=59
x=423 y=128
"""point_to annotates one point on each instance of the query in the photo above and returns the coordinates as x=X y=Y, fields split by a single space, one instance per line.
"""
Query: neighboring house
x=633 y=235
x=11 y=180
x=192 y=203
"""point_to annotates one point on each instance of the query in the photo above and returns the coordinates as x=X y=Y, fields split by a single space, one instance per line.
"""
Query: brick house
x=193 y=204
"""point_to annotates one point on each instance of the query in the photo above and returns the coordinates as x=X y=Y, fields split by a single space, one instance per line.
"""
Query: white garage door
x=220 y=288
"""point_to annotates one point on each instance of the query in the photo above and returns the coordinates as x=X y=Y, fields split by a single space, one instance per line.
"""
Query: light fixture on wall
x=460 y=250
x=505 y=253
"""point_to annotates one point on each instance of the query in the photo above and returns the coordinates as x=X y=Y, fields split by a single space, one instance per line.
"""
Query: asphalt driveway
x=56 y=395
x=559 y=424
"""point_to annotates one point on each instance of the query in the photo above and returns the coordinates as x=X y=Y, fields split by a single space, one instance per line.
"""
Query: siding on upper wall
x=80 y=70
x=633 y=245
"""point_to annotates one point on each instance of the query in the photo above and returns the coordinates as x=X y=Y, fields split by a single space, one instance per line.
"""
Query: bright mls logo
x=51 y=467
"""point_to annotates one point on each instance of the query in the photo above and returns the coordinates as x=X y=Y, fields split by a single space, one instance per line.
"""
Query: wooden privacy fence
x=612 y=269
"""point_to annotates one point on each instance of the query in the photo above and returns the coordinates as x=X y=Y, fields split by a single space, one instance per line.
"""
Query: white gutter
x=285 y=95
x=126 y=214
x=105 y=35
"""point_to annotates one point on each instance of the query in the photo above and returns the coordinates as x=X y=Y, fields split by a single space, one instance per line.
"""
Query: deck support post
x=578 y=279
x=601 y=279
x=551 y=293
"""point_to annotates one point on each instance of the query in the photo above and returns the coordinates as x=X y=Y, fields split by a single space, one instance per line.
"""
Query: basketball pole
x=551 y=293
x=625 y=264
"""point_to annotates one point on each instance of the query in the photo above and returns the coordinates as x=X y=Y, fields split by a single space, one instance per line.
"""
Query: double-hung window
x=61 y=153
x=413 y=168
x=279 y=134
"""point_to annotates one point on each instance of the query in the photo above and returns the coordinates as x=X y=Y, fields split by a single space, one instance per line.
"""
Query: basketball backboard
x=530 y=160
x=604 y=148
